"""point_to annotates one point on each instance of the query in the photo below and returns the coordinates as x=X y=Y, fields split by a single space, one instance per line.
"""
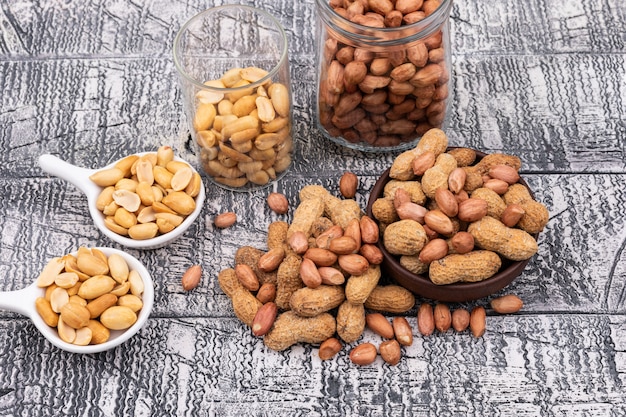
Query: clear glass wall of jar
x=383 y=71
x=233 y=69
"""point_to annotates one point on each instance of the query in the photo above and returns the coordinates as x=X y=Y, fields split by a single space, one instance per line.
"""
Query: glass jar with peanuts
x=383 y=71
x=234 y=74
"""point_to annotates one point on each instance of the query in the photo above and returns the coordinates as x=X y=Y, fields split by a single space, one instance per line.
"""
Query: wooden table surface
x=94 y=81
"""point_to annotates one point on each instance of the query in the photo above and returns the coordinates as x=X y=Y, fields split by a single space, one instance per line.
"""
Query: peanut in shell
x=290 y=328
x=404 y=237
x=350 y=321
x=473 y=266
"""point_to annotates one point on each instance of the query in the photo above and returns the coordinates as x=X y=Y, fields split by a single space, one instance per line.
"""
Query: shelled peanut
x=244 y=135
x=446 y=216
x=88 y=295
x=318 y=276
x=441 y=318
x=148 y=195
x=386 y=96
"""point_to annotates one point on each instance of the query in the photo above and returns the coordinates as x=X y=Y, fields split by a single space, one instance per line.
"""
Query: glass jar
x=233 y=69
x=383 y=73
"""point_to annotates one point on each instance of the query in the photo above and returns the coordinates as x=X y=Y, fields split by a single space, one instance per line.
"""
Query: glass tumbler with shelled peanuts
x=233 y=68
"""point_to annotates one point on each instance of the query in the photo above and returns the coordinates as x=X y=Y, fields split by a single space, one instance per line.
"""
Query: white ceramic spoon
x=80 y=178
x=23 y=302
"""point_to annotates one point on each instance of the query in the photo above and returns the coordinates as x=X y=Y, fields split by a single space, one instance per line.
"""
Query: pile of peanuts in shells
x=244 y=136
x=383 y=98
x=454 y=219
x=146 y=196
x=88 y=295
x=319 y=281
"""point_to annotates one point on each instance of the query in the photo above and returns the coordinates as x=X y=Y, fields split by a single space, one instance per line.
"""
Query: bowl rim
x=421 y=284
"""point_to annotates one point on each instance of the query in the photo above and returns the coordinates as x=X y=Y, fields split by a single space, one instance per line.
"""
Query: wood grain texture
x=198 y=366
x=94 y=81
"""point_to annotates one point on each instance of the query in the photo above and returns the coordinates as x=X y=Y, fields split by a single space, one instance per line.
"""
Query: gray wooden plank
x=94 y=81
x=580 y=267
x=127 y=28
x=558 y=113
x=189 y=366
x=538 y=27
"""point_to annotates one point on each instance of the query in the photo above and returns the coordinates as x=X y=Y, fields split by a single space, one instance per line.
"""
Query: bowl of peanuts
x=87 y=301
x=142 y=201
x=456 y=224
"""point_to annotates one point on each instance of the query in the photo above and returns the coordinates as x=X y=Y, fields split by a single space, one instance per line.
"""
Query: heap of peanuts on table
x=444 y=215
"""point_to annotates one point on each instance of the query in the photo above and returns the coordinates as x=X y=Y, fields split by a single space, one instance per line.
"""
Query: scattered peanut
x=348 y=184
x=225 y=220
x=477 y=322
x=264 y=319
x=507 y=304
x=191 y=277
x=312 y=270
x=329 y=348
x=443 y=317
x=379 y=325
x=363 y=354
x=390 y=351
x=278 y=203
x=460 y=319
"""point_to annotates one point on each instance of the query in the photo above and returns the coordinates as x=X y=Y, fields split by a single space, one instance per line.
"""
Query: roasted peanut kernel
x=390 y=351
x=266 y=293
x=477 y=322
x=329 y=348
x=264 y=319
x=118 y=318
x=191 y=277
x=363 y=354
x=348 y=184
x=403 y=331
x=278 y=203
x=507 y=304
x=380 y=325
x=460 y=319
x=225 y=220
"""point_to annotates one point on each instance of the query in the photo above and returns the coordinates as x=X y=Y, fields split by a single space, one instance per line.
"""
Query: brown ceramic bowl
x=422 y=285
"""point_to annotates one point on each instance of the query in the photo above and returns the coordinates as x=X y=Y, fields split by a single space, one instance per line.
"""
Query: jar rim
x=387 y=37
x=200 y=84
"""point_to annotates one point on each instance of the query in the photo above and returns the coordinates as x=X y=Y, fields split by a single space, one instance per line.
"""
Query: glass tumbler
x=233 y=69
x=383 y=71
